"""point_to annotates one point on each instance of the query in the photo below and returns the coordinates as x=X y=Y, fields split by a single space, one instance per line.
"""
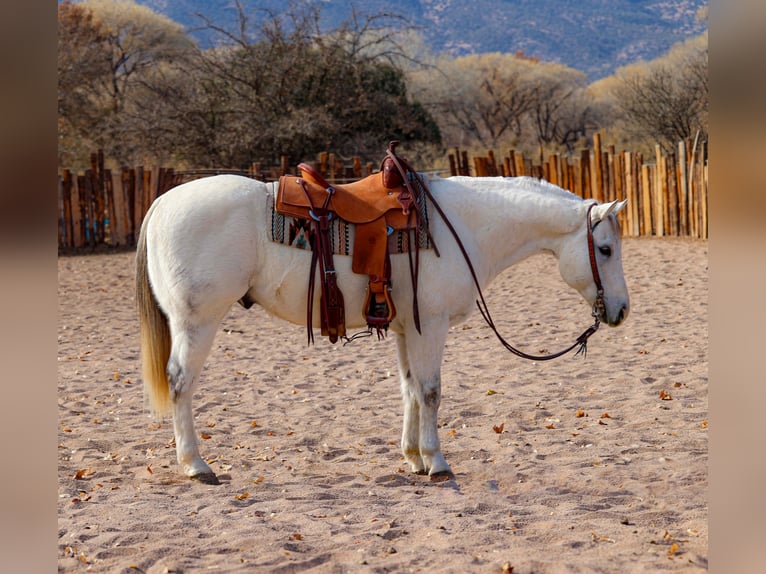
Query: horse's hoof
x=206 y=478
x=442 y=476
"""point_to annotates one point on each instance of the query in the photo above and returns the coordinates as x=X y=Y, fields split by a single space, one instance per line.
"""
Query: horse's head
x=577 y=268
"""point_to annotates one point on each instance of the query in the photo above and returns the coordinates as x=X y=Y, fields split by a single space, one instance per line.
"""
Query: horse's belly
x=281 y=287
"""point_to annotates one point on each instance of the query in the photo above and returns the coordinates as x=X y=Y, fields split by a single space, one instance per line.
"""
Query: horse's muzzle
x=621 y=315
x=601 y=312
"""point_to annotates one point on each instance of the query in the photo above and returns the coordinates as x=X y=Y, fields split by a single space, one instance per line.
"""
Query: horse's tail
x=155 y=334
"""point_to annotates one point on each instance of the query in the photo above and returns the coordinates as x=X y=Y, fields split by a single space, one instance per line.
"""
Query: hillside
x=596 y=36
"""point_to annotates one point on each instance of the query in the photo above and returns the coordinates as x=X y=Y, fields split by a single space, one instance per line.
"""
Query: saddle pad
x=298 y=233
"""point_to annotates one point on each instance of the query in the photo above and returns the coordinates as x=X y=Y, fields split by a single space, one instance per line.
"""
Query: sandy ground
x=600 y=465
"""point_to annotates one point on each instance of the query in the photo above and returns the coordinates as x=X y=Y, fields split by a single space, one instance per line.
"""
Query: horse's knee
x=432 y=398
x=431 y=394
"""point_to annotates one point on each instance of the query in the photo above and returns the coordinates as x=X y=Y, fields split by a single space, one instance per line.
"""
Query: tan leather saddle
x=377 y=205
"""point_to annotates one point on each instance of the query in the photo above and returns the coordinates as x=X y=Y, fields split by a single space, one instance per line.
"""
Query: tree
x=479 y=98
x=491 y=100
x=287 y=88
x=666 y=100
x=83 y=64
x=110 y=51
x=560 y=113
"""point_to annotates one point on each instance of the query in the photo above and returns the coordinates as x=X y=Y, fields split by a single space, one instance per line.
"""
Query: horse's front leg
x=411 y=424
x=420 y=359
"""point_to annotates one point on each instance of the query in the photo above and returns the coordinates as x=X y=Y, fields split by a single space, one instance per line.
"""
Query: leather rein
x=598 y=306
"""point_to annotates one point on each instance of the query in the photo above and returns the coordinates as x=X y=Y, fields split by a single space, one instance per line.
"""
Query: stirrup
x=379 y=309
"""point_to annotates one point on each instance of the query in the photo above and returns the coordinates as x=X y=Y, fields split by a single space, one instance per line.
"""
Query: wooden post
x=659 y=203
x=452 y=166
x=682 y=187
x=480 y=166
x=154 y=184
x=140 y=211
x=662 y=181
x=95 y=202
x=128 y=195
x=68 y=215
x=90 y=207
x=694 y=197
x=148 y=196
x=646 y=198
x=512 y=164
x=80 y=211
x=585 y=174
x=703 y=173
x=563 y=172
x=331 y=165
x=491 y=165
x=704 y=190
x=464 y=158
x=611 y=188
x=670 y=175
x=577 y=177
x=61 y=220
x=596 y=176
x=105 y=208
x=134 y=196
x=111 y=232
x=554 y=169
x=520 y=164
x=627 y=163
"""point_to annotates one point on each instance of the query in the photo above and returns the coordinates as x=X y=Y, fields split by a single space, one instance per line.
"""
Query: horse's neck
x=512 y=219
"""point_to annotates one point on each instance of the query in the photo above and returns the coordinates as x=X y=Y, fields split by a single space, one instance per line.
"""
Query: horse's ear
x=603 y=210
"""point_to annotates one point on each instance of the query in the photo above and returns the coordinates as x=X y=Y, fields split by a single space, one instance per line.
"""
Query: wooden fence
x=106 y=207
x=667 y=197
x=667 y=194
x=102 y=207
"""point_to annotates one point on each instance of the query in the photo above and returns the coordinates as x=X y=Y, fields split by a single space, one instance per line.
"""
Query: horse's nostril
x=621 y=316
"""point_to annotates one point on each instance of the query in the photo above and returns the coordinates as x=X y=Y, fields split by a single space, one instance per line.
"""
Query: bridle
x=598 y=309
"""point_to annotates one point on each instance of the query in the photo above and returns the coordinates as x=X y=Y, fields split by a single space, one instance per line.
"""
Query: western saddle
x=377 y=205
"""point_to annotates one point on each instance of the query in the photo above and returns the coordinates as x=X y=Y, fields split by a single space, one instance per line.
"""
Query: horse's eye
x=605 y=250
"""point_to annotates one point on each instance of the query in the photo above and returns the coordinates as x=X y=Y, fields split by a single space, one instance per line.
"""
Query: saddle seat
x=377 y=205
x=359 y=202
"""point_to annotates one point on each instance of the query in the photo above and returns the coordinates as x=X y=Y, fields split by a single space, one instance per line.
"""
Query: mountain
x=595 y=36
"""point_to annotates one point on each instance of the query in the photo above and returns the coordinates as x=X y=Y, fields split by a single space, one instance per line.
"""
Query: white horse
x=206 y=245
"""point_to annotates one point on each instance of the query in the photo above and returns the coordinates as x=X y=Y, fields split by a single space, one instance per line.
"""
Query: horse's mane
x=540 y=185
x=524 y=184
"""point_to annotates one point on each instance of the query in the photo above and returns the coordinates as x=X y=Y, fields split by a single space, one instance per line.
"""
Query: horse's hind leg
x=190 y=347
x=420 y=371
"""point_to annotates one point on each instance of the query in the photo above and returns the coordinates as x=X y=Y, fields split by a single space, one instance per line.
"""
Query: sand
x=595 y=465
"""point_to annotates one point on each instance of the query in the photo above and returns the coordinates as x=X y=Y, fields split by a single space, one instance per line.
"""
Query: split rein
x=598 y=305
